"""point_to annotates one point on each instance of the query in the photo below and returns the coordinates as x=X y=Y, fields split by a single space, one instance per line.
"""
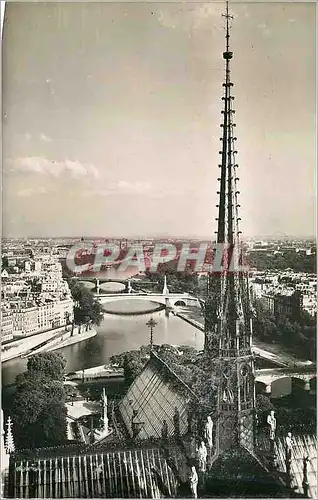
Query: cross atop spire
x=227 y=16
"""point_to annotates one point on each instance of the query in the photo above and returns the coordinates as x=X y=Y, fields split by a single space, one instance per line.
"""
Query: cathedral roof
x=239 y=473
x=302 y=446
x=155 y=396
x=172 y=376
x=134 y=473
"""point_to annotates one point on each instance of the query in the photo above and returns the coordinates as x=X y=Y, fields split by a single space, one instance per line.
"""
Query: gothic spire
x=228 y=326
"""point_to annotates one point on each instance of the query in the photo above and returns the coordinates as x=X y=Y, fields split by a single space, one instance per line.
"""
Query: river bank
x=64 y=340
x=44 y=341
x=273 y=352
x=21 y=346
x=116 y=334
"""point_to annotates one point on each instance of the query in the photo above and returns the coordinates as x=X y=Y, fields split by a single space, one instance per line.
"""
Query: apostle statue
x=105 y=417
x=305 y=483
x=208 y=432
x=136 y=424
x=288 y=452
x=164 y=430
x=190 y=421
x=194 y=482
x=271 y=420
x=98 y=471
x=202 y=456
x=176 y=422
x=288 y=445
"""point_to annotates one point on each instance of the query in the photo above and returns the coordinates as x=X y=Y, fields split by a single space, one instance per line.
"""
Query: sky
x=111 y=118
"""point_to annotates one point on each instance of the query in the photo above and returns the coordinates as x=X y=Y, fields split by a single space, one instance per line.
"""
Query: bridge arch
x=279 y=383
x=179 y=302
x=185 y=299
x=109 y=298
x=92 y=279
x=287 y=384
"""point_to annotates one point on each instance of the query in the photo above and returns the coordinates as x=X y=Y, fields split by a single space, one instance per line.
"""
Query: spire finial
x=227 y=16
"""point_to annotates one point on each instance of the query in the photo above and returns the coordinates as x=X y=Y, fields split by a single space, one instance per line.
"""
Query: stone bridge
x=97 y=281
x=273 y=378
x=169 y=300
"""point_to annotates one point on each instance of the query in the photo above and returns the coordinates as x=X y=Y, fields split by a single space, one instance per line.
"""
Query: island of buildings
x=36 y=303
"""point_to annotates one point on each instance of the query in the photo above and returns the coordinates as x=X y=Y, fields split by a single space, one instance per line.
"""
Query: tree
x=87 y=309
x=263 y=403
x=128 y=371
x=185 y=281
x=52 y=424
x=289 y=259
x=36 y=286
x=132 y=362
x=297 y=334
x=38 y=411
x=49 y=364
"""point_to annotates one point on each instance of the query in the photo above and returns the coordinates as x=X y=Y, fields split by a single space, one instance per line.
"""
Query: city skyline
x=95 y=93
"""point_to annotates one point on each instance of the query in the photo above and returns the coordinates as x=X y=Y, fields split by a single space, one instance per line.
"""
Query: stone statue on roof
x=271 y=421
x=176 y=422
x=194 y=482
x=305 y=483
x=288 y=452
x=164 y=430
x=208 y=432
x=202 y=456
x=288 y=444
x=135 y=424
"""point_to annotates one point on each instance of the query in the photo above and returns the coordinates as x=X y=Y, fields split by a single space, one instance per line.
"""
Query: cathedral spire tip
x=227 y=54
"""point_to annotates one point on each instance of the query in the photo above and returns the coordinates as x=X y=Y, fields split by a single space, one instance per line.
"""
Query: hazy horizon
x=112 y=113
x=261 y=237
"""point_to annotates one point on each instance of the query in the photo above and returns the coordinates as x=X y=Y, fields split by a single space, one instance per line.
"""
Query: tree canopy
x=288 y=259
x=39 y=413
x=297 y=335
x=49 y=364
x=87 y=309
x=185 y=281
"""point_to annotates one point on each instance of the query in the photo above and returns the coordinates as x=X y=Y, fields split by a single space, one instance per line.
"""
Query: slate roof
x=302 y=446
x=155 y=394
x=135 y=473
x=152 y=468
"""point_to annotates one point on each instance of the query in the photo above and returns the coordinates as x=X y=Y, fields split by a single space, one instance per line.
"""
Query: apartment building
x=6 y=321
x=289 y=303
x=25 y=319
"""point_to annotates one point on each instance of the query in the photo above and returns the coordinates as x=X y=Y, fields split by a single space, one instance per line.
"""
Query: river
x=117 y=334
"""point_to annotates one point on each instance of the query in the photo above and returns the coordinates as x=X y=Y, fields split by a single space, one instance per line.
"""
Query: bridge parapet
x=183 y=299
x=269 y=376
